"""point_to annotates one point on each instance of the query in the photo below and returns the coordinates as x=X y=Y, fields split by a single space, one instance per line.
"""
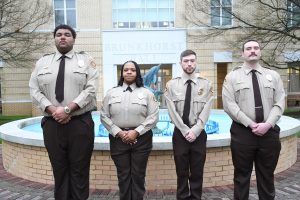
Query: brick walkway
x=14 y=188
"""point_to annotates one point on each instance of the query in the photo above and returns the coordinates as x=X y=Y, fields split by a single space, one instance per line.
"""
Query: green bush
x=292 y=112
x=6 y=119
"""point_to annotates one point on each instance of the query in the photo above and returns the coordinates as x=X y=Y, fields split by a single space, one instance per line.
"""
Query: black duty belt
x=127 y=129
x=82 y=115
x=73 y=117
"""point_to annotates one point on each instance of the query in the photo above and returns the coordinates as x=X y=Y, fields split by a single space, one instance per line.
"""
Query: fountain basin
x=25 y=156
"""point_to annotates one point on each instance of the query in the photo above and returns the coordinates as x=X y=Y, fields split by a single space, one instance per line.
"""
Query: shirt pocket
x=115 y=105
x=242 y=92
x=115 y=100
x=45 y=76
x=80 y=76
x=140 y=104
x=141 y=101
x=46 y=79
x=178 y=101
x=269 y=90
x=198 y=105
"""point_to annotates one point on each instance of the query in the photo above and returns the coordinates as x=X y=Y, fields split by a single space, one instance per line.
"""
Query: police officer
x=189 y=99
x=63 y=85
x=129 y=113
x=254 y=98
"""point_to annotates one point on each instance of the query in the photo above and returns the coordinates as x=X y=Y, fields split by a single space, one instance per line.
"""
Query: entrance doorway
x=221 y=73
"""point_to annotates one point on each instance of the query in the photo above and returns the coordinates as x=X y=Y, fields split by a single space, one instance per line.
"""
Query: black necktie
x=60 y=80
x=259 y=111
x=187 y=103
x=128 y=89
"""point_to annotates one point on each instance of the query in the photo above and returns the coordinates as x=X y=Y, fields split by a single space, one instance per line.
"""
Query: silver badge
x=200 y=92
x=80 y=63
x=269 y=77
x=140 y=95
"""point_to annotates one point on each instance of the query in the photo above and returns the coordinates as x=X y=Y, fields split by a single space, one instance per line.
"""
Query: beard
x=64 y=50
x=189 y=70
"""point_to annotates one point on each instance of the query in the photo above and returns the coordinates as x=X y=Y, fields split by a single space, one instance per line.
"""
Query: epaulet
x=111 y=89
x=201 y=77
x=266 y=67
x=235 y=68
x=178 y=77
x=81 y=52
x=48 y=54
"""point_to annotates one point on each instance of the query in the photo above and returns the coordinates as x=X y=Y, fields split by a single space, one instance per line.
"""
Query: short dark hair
x=187 y=53
x=64 y=26
x=138 y=80
x=250 y=40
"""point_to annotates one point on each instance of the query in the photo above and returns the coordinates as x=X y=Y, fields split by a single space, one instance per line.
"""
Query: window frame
x=65 y=13
x=144 y=10
x=291 y=21
x=220 y=17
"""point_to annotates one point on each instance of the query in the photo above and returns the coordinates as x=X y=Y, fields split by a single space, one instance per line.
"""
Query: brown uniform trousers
x=70 y=148
x=264 y=151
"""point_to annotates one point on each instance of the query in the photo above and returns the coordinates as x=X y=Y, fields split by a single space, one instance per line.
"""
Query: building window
x=293 y=90
x=293 y=13
x=221 y=12
x=143 y=13
x=294 y=77
x=65 y=12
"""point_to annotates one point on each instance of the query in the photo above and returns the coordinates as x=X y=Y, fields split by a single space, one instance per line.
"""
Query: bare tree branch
x=19 y=38
x=275 y=23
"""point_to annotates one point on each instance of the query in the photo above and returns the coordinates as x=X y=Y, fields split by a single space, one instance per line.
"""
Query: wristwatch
x=67 y=110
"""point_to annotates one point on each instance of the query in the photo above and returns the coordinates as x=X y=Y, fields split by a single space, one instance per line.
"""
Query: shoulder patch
x=92 y=62
x=166 y=88
x=211 y=90
x=154 y=98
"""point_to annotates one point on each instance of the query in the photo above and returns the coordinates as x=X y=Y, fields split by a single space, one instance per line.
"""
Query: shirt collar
x=132 y=86
x=58 y=55
x=186 y=77
x=248 y=69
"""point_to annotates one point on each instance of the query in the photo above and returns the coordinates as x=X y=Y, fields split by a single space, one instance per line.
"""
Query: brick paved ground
x=14 y=188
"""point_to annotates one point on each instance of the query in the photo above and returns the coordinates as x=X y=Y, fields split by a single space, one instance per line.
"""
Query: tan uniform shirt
x=201 y=102
x=238 y=96
x=123 y=109
x=81 y=81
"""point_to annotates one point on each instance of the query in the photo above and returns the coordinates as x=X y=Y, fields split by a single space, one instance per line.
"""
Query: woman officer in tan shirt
x=129 y=113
